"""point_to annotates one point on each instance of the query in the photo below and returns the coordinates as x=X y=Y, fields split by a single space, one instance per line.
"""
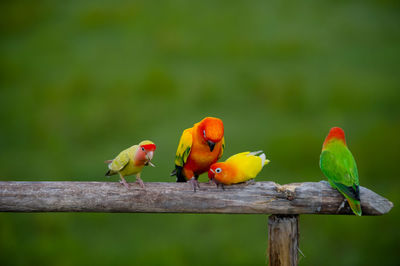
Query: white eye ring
x=204 y=133
x=218 y=170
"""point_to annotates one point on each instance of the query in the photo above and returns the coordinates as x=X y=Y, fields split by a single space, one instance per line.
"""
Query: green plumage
x=338 y=165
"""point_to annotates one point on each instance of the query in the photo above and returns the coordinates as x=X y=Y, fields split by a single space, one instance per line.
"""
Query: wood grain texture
x=252 y=198
x=283 y=240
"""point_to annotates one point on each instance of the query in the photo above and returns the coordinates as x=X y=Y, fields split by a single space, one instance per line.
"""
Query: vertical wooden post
x=283 y=240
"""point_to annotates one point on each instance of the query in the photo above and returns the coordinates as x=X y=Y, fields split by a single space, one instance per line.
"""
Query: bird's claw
x=123 y=182
x=194 y=183
x=210 y=182
x=250 y=182
x=341 y=205
x=140 y=182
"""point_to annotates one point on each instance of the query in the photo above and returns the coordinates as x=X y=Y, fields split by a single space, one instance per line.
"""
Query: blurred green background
x=82 y=80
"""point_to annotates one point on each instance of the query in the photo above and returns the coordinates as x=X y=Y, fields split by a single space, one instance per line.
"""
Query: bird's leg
x=123 y=181
x=218 y=184
x=194 y=183
x=139 y=180
x=197 y=177
x=250 y=182
x=341 y=205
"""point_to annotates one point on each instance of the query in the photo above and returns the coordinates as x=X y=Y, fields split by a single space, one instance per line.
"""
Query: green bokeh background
x=82 y=80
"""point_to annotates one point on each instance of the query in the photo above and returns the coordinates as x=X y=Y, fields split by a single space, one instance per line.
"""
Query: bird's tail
x=110 y=173
x=178 y=172
x=355 y=206
x=261 y=154
x=352 y=194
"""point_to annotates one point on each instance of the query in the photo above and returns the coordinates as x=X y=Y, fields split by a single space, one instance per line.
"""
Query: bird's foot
x=123 y=182
x=250 y=182
x=341 y=205
x=220 y=185
x=140 y=182
x=194 y=183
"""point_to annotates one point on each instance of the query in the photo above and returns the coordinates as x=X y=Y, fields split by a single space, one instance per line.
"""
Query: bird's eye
x=204 y=133
x=142 y=149
x=218 y=170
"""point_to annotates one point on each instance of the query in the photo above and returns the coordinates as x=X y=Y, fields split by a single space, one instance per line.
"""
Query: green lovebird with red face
x=338 y=165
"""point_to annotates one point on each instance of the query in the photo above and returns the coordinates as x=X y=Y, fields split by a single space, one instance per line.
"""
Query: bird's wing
x=184 y=147
x=237 y=158
x=221 y=152
x=247 y=163
x=342 y=171
x=122 y=159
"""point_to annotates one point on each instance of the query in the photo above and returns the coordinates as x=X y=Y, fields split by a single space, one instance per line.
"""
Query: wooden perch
x=252 y=198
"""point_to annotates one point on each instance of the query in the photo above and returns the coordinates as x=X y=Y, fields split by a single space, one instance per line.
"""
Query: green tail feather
x=355 y=206
x=352 y=194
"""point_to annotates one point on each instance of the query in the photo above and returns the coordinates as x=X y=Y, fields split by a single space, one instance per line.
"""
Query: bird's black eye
x=142 y=149
x=218 y=170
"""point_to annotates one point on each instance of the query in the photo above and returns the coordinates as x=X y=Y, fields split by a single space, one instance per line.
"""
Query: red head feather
x=149 y=147
x=336 y=133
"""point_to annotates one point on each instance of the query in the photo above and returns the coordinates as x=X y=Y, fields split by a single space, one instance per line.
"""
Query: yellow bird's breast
x=131 y=169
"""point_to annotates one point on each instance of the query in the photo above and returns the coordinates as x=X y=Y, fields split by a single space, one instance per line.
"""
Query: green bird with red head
x=338 y=165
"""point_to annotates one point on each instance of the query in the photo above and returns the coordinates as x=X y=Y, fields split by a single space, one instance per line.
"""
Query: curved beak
x=211 y=174
x=211 y=145
x=149 y=156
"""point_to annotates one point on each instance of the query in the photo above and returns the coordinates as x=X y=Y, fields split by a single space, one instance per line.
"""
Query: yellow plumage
x=184 y=147
x=247 y=165
x=124 y=163
x=238 y=168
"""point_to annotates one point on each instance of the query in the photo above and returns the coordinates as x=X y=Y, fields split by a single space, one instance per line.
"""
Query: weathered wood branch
x=252 y=198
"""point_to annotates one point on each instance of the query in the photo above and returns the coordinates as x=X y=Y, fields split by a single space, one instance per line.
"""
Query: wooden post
x=283 y=240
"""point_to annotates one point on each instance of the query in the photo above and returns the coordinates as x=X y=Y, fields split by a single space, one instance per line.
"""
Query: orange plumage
x=199 y=147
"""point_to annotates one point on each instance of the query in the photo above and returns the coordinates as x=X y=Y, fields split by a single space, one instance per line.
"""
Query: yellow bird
x=131 y=161
x=238 y=168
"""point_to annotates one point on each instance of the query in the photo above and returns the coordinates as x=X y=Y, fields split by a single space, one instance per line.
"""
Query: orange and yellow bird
x=199 y=147
x=237 y=168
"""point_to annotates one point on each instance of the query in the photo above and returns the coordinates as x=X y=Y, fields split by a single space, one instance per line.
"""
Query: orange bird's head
x=218 y=171
x=212 y=130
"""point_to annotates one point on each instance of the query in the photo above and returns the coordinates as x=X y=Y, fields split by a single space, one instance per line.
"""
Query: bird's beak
x=211 y=145
x=211 y=174
x=149 y=156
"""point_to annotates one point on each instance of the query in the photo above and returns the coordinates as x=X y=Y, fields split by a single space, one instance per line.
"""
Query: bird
x=238 y=168
x=131 y=161
x=199 y=147
x=338 y=165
